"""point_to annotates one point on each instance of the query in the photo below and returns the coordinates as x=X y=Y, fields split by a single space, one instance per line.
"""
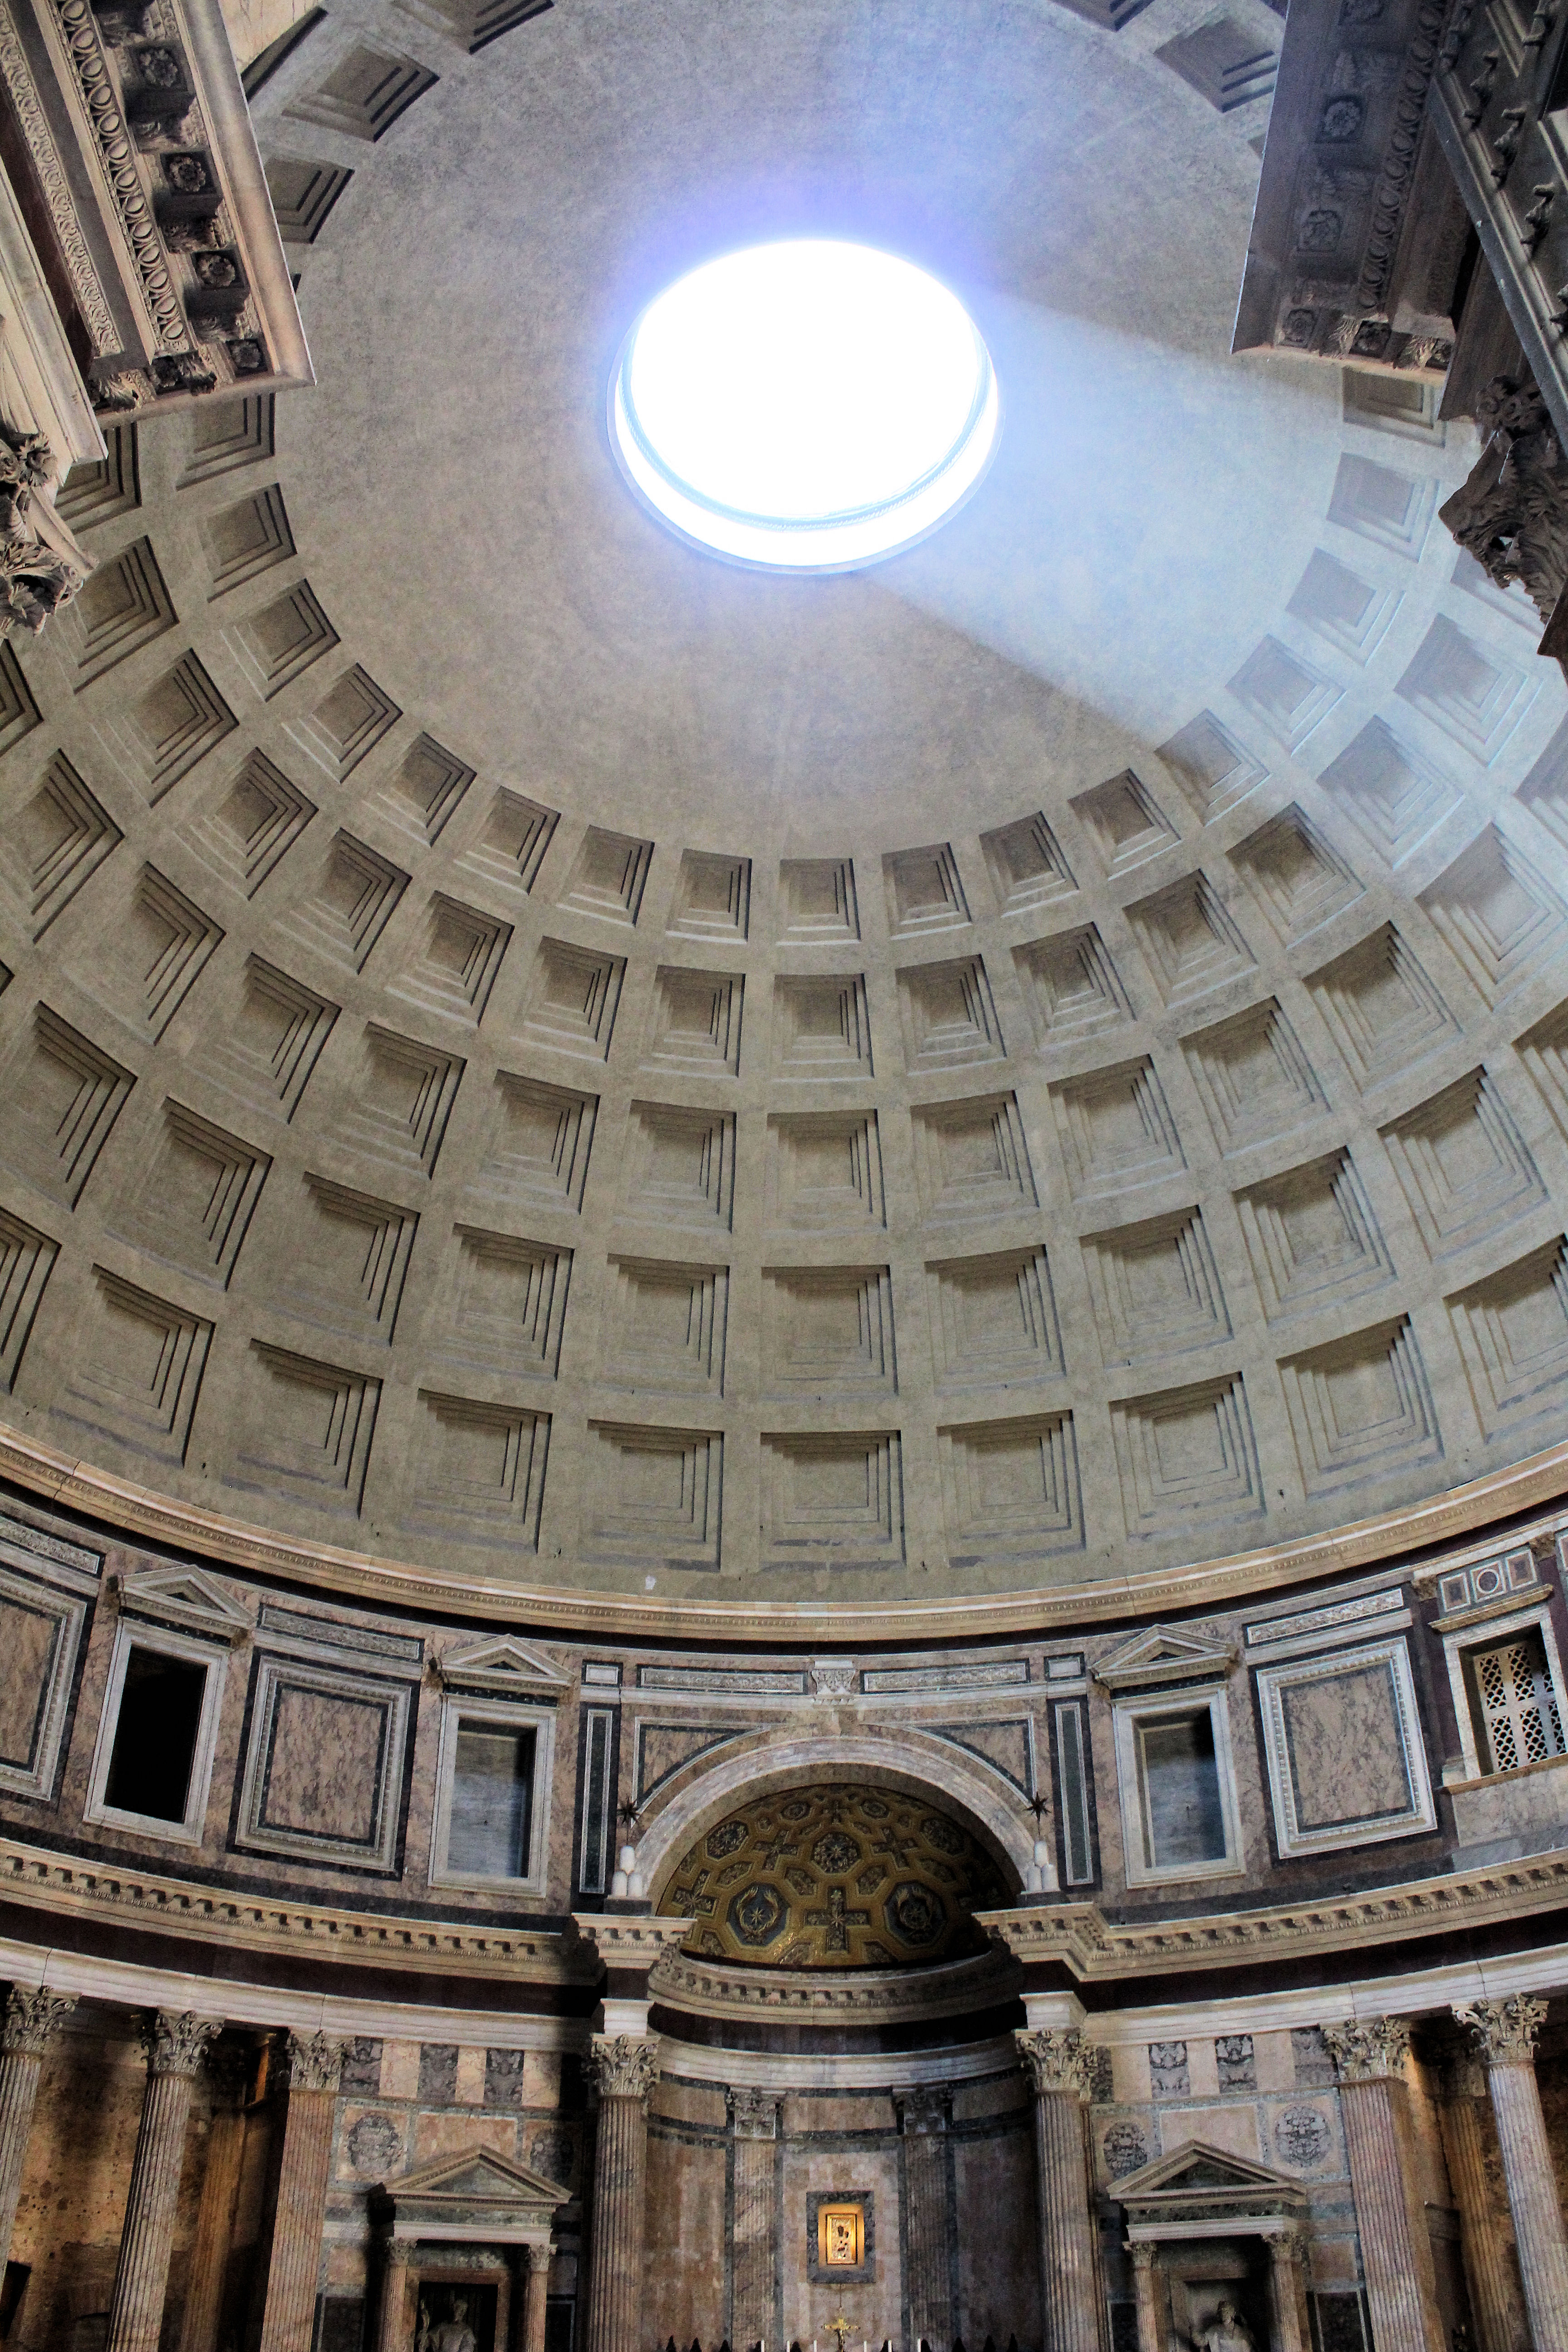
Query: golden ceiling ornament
x=834 y=1877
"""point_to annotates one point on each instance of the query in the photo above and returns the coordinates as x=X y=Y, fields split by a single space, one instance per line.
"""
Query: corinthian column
x=174 y=2045
x=1505 y=2033
x=1369 y=2056
x=1287 y=2259
x=623 y=2066
x=1060 y=2066
x=32 y=2014
x=925 y=2115
x=314 y=2064
x=755 y=2126
x=1490 y=2272
x=535 y=2289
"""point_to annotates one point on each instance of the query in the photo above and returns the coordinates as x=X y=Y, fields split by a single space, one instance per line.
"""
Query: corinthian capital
x=176 y=2040
x=1058 y=2059
x=32 y=2014
x=1505 y=2030
x=924 y=2107
x=1368 y=2048
x=623 y=2065
x=753 y=2115
x=315 y=2061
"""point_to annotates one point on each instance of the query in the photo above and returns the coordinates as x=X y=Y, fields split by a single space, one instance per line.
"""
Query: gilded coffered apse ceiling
x=531 y=1051
x=834 y=1877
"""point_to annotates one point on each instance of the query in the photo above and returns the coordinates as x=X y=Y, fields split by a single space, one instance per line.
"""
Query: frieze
x=1324 y=1620
x=85 y=285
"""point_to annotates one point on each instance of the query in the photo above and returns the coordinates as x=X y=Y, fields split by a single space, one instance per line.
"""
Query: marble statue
x=1228 y=2332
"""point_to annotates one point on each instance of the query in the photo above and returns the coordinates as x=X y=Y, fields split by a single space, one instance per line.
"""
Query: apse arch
x=913 y=1763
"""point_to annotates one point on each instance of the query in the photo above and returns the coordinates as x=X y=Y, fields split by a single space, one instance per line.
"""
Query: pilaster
x=314 y=2064
x=624 y=2068
x=1060 y=2066
x=754 y=2129
x=924 y=2115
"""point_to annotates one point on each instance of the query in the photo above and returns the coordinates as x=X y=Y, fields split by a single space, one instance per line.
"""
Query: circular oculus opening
x=805 y=407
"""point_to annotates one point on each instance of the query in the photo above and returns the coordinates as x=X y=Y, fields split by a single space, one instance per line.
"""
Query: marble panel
x=874 y=2308
x=1346 y=1762
x=469 y=2088
x=324 y=1770
x=1230 y=2125
x=40 y=1638
x=449 y=2135
x=685 y=2294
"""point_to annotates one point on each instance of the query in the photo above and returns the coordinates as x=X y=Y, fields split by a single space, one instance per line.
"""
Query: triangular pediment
x=499 y=1662
x=1197 y=2170
x=182 y=1597
x=1165 y=1654
x=474 y=2176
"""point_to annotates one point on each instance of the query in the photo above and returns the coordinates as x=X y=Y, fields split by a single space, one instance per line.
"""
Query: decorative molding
x=1326 y=1621
x=68 y=1482
x=1369 y=2049
x=126 y=1898
x=501 y=1665
x=41 y=566
x=1505 y=2030
x=184 y=1597
x=85 y=285
x=33 y=2013
x=176 y=2041
x=925 y=2110
x=869 y=1997
x=623 y=2065
x=1163 y=1655
x=624 y=1942
x=1059 y=2060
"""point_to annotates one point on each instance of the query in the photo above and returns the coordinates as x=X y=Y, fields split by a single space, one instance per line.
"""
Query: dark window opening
x=155 y=1738
x=1183 y=1817
x=493 y=1801
x=11 y=2293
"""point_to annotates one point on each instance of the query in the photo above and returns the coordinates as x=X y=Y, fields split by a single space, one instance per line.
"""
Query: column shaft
x=294 y=2262
x=215 y=2224
x=1288 y=2293
x=393 y=2331
x=1148 y=2307
x=31 y=2016
x=1505 y=2033
x=536 y=2288
x=928 y=2279
x=1532 y=2200
x=174 y=2046
x=754 y=2251
x=620 y=2202
x=1490 y=2272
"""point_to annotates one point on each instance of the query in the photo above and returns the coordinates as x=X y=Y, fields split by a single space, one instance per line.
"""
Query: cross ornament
x=840 y=2327
x=837 y=1922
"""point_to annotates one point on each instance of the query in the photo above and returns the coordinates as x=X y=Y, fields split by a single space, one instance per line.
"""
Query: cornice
x=869 y=1996
x=1080 y=1937
x=607 y=1616
x=316 y=1932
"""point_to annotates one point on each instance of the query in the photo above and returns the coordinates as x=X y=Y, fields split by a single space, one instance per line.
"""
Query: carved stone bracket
x=623 y=2066
x=40 y=566
x=753 y=2115
x=1058 y=2059
x=1512 y=514
x=32 y=2014
x=1369 y=2049
x=176 y=2041
x=1505 y=2030
x=315 y=2061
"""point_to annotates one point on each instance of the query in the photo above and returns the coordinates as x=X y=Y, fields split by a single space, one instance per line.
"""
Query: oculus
x=805 y=406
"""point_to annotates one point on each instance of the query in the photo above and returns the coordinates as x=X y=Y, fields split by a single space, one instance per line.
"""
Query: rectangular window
x=1177 y=1784
x=491 y=1834
x=1184 y=1819
x=1517 y=1719
x=152 y=1764
x=156 y=1734
x=1072 y=1767
x=492 y=1794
